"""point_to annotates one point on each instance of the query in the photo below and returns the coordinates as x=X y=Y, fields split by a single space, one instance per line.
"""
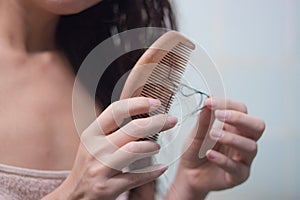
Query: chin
x=66 y=7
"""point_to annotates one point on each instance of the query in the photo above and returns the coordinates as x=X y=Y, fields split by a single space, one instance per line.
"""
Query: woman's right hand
x=106 y=149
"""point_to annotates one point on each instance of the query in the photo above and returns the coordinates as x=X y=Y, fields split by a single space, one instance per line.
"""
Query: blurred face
x=65 y=7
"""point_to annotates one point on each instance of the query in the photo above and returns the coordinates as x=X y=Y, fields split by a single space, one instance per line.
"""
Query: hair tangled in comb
x=78 y=34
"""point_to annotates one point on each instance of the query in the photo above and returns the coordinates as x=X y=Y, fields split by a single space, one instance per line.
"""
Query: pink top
x=28 y=184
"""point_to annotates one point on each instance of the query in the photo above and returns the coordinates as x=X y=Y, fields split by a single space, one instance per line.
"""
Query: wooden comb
x=158 y=73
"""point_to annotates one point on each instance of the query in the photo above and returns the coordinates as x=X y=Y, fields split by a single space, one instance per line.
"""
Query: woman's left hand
x=228 y=164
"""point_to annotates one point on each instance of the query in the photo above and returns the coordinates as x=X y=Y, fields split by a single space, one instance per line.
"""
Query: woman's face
x=65 y=7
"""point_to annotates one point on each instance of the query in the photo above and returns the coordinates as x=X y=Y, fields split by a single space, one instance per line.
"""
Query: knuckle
x=227 y=162
x=151 y=176
x=244 y=108
x=148 y=177
x=161 y=117
x=114 y=105
x=253 y=148
x=142 y=122
x=235 y=117
x=223 y=161
x=245 y=176
x=238 y=105
x=141 y=102
x=228 y=115
x=238 y=179
x=231 y=183
x=231 y=139
x=136 y=180
x=103 y=188
x=132 y=147
x=94 y=171
x=261 y=126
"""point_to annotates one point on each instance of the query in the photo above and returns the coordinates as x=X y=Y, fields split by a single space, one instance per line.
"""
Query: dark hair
x=78 y=34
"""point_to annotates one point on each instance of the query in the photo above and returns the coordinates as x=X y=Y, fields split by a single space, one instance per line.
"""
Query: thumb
x=205 y=121
x=197 y=137
x=136 y=178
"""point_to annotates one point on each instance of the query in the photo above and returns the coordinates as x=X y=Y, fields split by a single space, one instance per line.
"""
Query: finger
x=140 y=128
x=246 y=146
x=128 y=154
x=238 y=171
x=127 y=181
x=252 y=127
x=204 y=122
x=112 y=117
x=193 y=146
x=217 y=103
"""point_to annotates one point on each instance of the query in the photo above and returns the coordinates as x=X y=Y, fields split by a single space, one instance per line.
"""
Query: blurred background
x=256 y=46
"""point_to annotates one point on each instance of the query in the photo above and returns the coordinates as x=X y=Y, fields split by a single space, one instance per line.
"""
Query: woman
x=41 y=48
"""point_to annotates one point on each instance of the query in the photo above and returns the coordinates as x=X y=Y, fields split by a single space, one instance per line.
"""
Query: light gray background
x=256 y=45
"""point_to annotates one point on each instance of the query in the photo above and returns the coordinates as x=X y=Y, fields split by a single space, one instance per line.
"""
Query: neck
x=25 y=27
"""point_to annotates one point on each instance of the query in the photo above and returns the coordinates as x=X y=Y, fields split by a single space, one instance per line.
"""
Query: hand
x=228 y=163
x=106 y=149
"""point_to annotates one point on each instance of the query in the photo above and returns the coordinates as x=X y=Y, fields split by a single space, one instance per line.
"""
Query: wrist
x=63 y=192
x=181 y=188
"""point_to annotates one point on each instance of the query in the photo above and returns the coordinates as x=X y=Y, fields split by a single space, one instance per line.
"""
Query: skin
x=41 y=115
x=228 y=164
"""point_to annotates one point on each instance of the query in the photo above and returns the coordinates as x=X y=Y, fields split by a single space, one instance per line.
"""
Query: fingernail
x=158 y=146
x=221 y=114
x=172 y=120
x=212 y=102
x=216 y=133
x=154 y=104
x=210 y=154
x=162 y=168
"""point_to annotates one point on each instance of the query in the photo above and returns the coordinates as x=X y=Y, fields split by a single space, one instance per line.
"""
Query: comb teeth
x=164 y=80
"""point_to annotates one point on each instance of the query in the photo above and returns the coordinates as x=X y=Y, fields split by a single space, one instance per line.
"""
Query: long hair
x=78 y=34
